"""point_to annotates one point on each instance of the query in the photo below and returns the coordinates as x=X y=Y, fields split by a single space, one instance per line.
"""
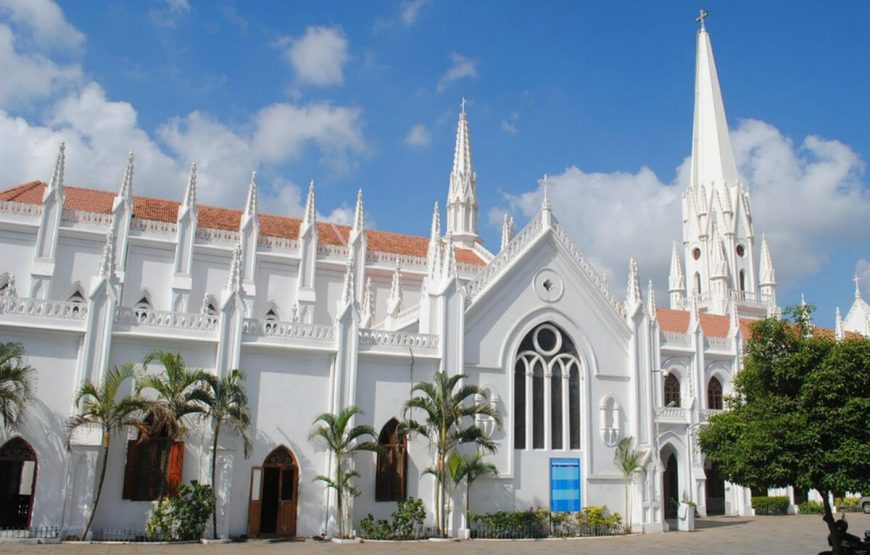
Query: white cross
x=701 y=16
x=462 y=105
x=545 y=183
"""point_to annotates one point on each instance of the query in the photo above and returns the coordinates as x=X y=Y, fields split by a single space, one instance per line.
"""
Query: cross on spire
x=462 y=103
x=701 y=16
x=856 y=279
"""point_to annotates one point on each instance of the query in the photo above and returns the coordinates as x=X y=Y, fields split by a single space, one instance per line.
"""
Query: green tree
x=16 y=384
x=446 y=419
x=175 y=398
x=800 y=414
x=342 y=439
x=468 y=468
x=226 y=404
x=630 y=462
x=100 y=406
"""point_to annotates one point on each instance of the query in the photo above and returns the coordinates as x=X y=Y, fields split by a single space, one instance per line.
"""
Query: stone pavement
x=715 y=536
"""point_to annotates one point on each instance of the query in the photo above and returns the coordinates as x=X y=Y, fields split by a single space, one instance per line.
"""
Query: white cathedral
x=321 y=316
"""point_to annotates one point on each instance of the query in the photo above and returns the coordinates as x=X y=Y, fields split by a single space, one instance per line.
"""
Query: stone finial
x=107 y=260
x=633 y=296
x=368 y=308
x=251 y=202
x=126 y=190
x=56 y=184
x=676 y=279
x=435 y=233
x=394 y=302
x=358 y=214
x=766 y=273
x=508 y=230
x=310 y=215
x=190 y=191
x=449 y=262
x=347 y=287
x=234 y=279
x=651 y=300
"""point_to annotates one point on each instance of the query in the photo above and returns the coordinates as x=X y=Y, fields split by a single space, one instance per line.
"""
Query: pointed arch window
x=143 y=306
x=392 y=464
x=714 y=394
x=271 y=318
x=77 y=297
x=672 y=391
x=547 y=391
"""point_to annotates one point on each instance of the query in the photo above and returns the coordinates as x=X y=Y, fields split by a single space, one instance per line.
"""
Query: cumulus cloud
x=29 y=77
x=509 y=125
x=45 y=21
x=613 y=216
x=318 y=56
x=418 y=136
x=409 y=12
x=461 y=68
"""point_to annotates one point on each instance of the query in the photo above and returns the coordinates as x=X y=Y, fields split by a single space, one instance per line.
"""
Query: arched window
x=18 y=469
x=271 y=318
x=77 y=297
x=142 y=306
x=392 y=464
x=672 y=391
x=209 y=306
x=714 y=394
x=547 y=387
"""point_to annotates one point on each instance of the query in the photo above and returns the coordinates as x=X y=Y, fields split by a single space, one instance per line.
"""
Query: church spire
x=712 y=158
x=462 y=196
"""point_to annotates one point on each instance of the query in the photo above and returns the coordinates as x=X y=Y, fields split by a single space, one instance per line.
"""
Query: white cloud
x=46 y=22
x=411 y=11
x=509 y=126
x=804 y=199
x=318 y=56
x=862 y=270
x=461 y=68
x=29 y=77
x=418 y=136
x=178 y=6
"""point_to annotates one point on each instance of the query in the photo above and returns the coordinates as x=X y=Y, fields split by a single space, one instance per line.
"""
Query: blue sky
x=366 y=94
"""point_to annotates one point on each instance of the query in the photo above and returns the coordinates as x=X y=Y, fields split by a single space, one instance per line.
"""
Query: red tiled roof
x=714 y=325
x=161 y=210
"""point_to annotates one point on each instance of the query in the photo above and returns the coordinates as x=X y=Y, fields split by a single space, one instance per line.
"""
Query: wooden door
x=287 y=501
x=255 y=501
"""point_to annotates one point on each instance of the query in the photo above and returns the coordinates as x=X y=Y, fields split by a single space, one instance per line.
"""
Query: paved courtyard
x=715 y=536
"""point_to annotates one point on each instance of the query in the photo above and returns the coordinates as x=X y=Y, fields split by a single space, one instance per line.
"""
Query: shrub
x=770 y=505
x=407 y=522
x=181 y=518
x=811 y=508
x=847 y=504
x=540 y=523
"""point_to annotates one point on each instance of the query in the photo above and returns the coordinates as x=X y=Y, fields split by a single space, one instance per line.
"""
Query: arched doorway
x=392 y=464
x=274 y=495
x=17 y=483
x=670 y=483
x=714 y=489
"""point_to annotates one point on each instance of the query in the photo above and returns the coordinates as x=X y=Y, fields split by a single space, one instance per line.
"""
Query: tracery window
x=672 y=391
x=392 y=464
x=547 y=391
x=714 y=394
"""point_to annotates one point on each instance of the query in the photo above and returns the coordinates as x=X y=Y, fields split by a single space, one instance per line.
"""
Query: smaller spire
x=651 y=300
x=434 y=253
x=310 y=213
x=107 y=261
x=435 y=234
x=633 y=296
x=545 y=184
x=394 y=302
x=56 y=185
x=126 y=190
x=368 y=305
x=838 y=325
x=507 y=230
x=766 y=274
x=718 y=260
x=190 y=191
x=676 y=281
x=251 y=204
x=449 y=262
x=234 y=279
x=347 y=288
x=359 y=214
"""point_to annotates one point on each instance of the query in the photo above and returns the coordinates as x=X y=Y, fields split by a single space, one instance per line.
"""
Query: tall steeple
x=718 y=236
x=462 y=197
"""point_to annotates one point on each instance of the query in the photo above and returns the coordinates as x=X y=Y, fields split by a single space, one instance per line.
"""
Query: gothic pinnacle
x=310 y=213
x=234 y=279
x=127 y=182
x=56 y=184
x=251 y=203
x=676 y=281
x=190 y=192
x=358 y=214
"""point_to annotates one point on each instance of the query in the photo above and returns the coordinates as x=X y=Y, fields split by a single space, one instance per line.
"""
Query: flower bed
x=541 y=523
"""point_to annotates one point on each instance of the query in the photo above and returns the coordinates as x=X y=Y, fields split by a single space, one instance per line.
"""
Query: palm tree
x=226 y=403
x=342 y=440
x=469 y=468
x=16 y=384
x=99 y=406
x=630 y=462
x=444 y=410
x=177 y=391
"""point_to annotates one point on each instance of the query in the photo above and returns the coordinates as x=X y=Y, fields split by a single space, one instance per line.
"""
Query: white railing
x=169 y=229
x=677 y=338
x=596 y=278
x=278 y=243
x=390 y=259
x=166 y=319
x=319 y=333
x=212 y=235
x=85 y=217
x=20 y=208
x=673 y=413
x=398 y=339
x=719 y=342
x=752 y=297
x=332 y=251
x=43 y=308
x=707 y=413
x=517 y=245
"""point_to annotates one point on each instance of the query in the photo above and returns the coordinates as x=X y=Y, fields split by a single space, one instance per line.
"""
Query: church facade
x=321 y=316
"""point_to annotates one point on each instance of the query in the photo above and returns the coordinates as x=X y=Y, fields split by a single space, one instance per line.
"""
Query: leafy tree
x=630 y=462
x=800 y=414
x=176 y=398
x=444 y=420
x=468 y=468
x=226 y=403
x=342 y=439
x=16 y=384
x=100 y=406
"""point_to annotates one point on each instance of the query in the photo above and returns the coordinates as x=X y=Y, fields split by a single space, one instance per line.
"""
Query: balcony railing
x=315 y=333
x=421 y=341
x=43 y=308
x=166 y=319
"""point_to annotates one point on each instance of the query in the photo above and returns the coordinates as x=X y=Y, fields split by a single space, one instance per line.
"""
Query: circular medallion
x=548 y=285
